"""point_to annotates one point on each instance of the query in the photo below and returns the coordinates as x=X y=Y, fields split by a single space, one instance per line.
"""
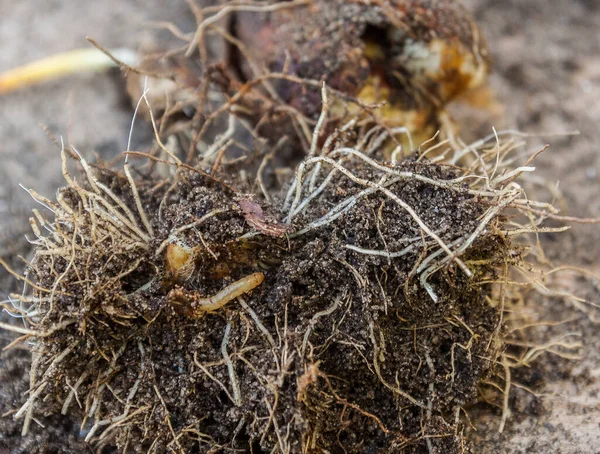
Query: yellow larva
x=232 y=291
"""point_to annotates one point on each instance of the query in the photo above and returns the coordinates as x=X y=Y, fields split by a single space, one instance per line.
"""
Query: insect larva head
x=180 y=261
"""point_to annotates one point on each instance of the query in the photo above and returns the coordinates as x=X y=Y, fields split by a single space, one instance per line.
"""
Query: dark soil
x=60 y=435
x=335 y=349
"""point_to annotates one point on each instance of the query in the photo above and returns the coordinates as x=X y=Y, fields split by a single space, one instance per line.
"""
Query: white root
x=387 y=192
x=237 y=398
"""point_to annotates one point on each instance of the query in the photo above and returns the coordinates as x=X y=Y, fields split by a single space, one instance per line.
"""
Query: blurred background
x=546 y=56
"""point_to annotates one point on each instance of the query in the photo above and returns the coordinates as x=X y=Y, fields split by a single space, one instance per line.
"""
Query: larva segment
x=180 y=261
x=197 y=306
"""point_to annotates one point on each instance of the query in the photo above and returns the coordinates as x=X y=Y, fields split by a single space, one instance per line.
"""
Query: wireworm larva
x=212 y=303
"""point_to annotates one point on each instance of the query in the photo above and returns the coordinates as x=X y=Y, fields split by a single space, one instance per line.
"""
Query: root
x=237 y=398
x=213 y=378
x=394 y=389
x=391 y=195
x=336 y=304
x=352 y=405
x=261 y=327
x=506 y=393
x=223 y=11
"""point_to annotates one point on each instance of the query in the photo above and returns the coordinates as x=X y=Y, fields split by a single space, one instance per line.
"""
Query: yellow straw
x=60 y=65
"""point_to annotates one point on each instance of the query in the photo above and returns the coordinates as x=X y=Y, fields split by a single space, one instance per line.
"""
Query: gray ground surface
x=547 y=60
x=89 y=110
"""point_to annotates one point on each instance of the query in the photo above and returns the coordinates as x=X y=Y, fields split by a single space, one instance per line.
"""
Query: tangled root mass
x=364 y=335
